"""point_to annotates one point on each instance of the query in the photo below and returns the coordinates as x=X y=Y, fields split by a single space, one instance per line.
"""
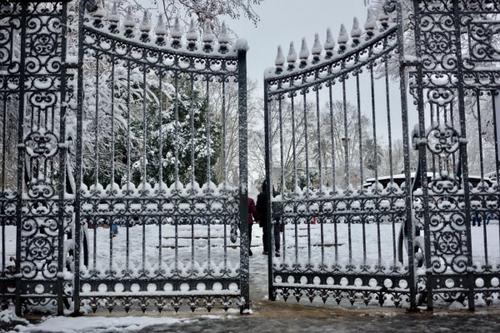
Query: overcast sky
x=283 y=21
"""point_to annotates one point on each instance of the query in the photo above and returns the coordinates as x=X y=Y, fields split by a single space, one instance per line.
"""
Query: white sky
x=283 y=21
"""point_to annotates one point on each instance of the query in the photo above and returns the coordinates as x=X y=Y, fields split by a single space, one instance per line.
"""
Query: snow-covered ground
x=211 y=246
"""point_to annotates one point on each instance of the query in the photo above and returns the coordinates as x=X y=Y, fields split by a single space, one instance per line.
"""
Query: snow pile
x=98 y=324
x=9 y=318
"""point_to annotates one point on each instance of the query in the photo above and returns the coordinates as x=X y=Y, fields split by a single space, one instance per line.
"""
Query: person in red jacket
x=252 y=216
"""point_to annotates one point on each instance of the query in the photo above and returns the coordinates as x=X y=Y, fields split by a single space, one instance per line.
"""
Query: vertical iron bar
x=243 y=170
x=20 y=160
x=268 y=164
x=409 y=227
x=463 y=148
x=62 y=163
x=308 y=180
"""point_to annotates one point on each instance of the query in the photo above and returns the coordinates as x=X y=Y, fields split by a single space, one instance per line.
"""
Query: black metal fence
x=370 y=211
x=128 y=184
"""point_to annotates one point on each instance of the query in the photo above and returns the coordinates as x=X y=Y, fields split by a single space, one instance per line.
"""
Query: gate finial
x=176 y=34
x=317 y=48
x=192 y=35
x=223 y=39
x=292 y=56
x=343 y=38
x=145 y=27
x=280 y=60
x=208 y=38
x=355 y=32
x=329 y=44
x=129 y=23
x=160 y=31
x=371 y=23
x=304 y=53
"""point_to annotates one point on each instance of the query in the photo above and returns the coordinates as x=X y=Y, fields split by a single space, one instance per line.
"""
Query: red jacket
x=252 y=211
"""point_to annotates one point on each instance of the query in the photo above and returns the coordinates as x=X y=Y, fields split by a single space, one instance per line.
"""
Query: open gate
x=363 y=210
x=131 y=162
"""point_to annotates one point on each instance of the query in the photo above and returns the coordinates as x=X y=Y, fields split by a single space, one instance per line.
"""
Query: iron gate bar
x=409 y=228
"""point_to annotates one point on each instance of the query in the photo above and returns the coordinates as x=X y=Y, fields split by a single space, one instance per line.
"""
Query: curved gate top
x=365 y=210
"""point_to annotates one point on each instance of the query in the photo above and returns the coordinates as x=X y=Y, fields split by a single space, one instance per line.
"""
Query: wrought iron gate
x=131 y=161
x=363 y=218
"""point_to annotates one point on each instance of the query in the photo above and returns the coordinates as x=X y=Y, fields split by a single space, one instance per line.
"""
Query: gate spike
x=280 y=59
x=113 y=15
x=145 y=26
x=292 y=56
x=160 y=28
x=160 y=31
x=371 y=23
x=176 y=33
x=192 y=35
x=317 y=47
x=224 y=39
x=343 y=38
x=177 y=30
x=99 y=12
x=129 y=22
x=383 y=18
x=208 y=37
x=329 y=44
x=356 y=31
x=304 y=53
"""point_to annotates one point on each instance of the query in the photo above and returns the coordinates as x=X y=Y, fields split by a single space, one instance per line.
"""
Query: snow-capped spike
x=329 y=43
x=384 y=19
x=317 y=47
x=99 y=12
x=224 y=35
x=176 y=29
x=304 y=50
x=129 y=21
x=224 y=39
x=356 y=31
x=343 y=38
x=145 y=26
x=208 y=35
x=292 y=55
x=192 y=34
x=208 y=38
x=280 y=58
x=371 y=22
x=160 y=29
x=113 y=16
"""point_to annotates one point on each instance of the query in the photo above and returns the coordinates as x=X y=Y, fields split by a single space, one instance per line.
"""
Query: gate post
x=242 y=48
x=40 y=213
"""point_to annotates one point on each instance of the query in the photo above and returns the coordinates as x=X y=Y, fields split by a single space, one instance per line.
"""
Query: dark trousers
x=265 y=240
